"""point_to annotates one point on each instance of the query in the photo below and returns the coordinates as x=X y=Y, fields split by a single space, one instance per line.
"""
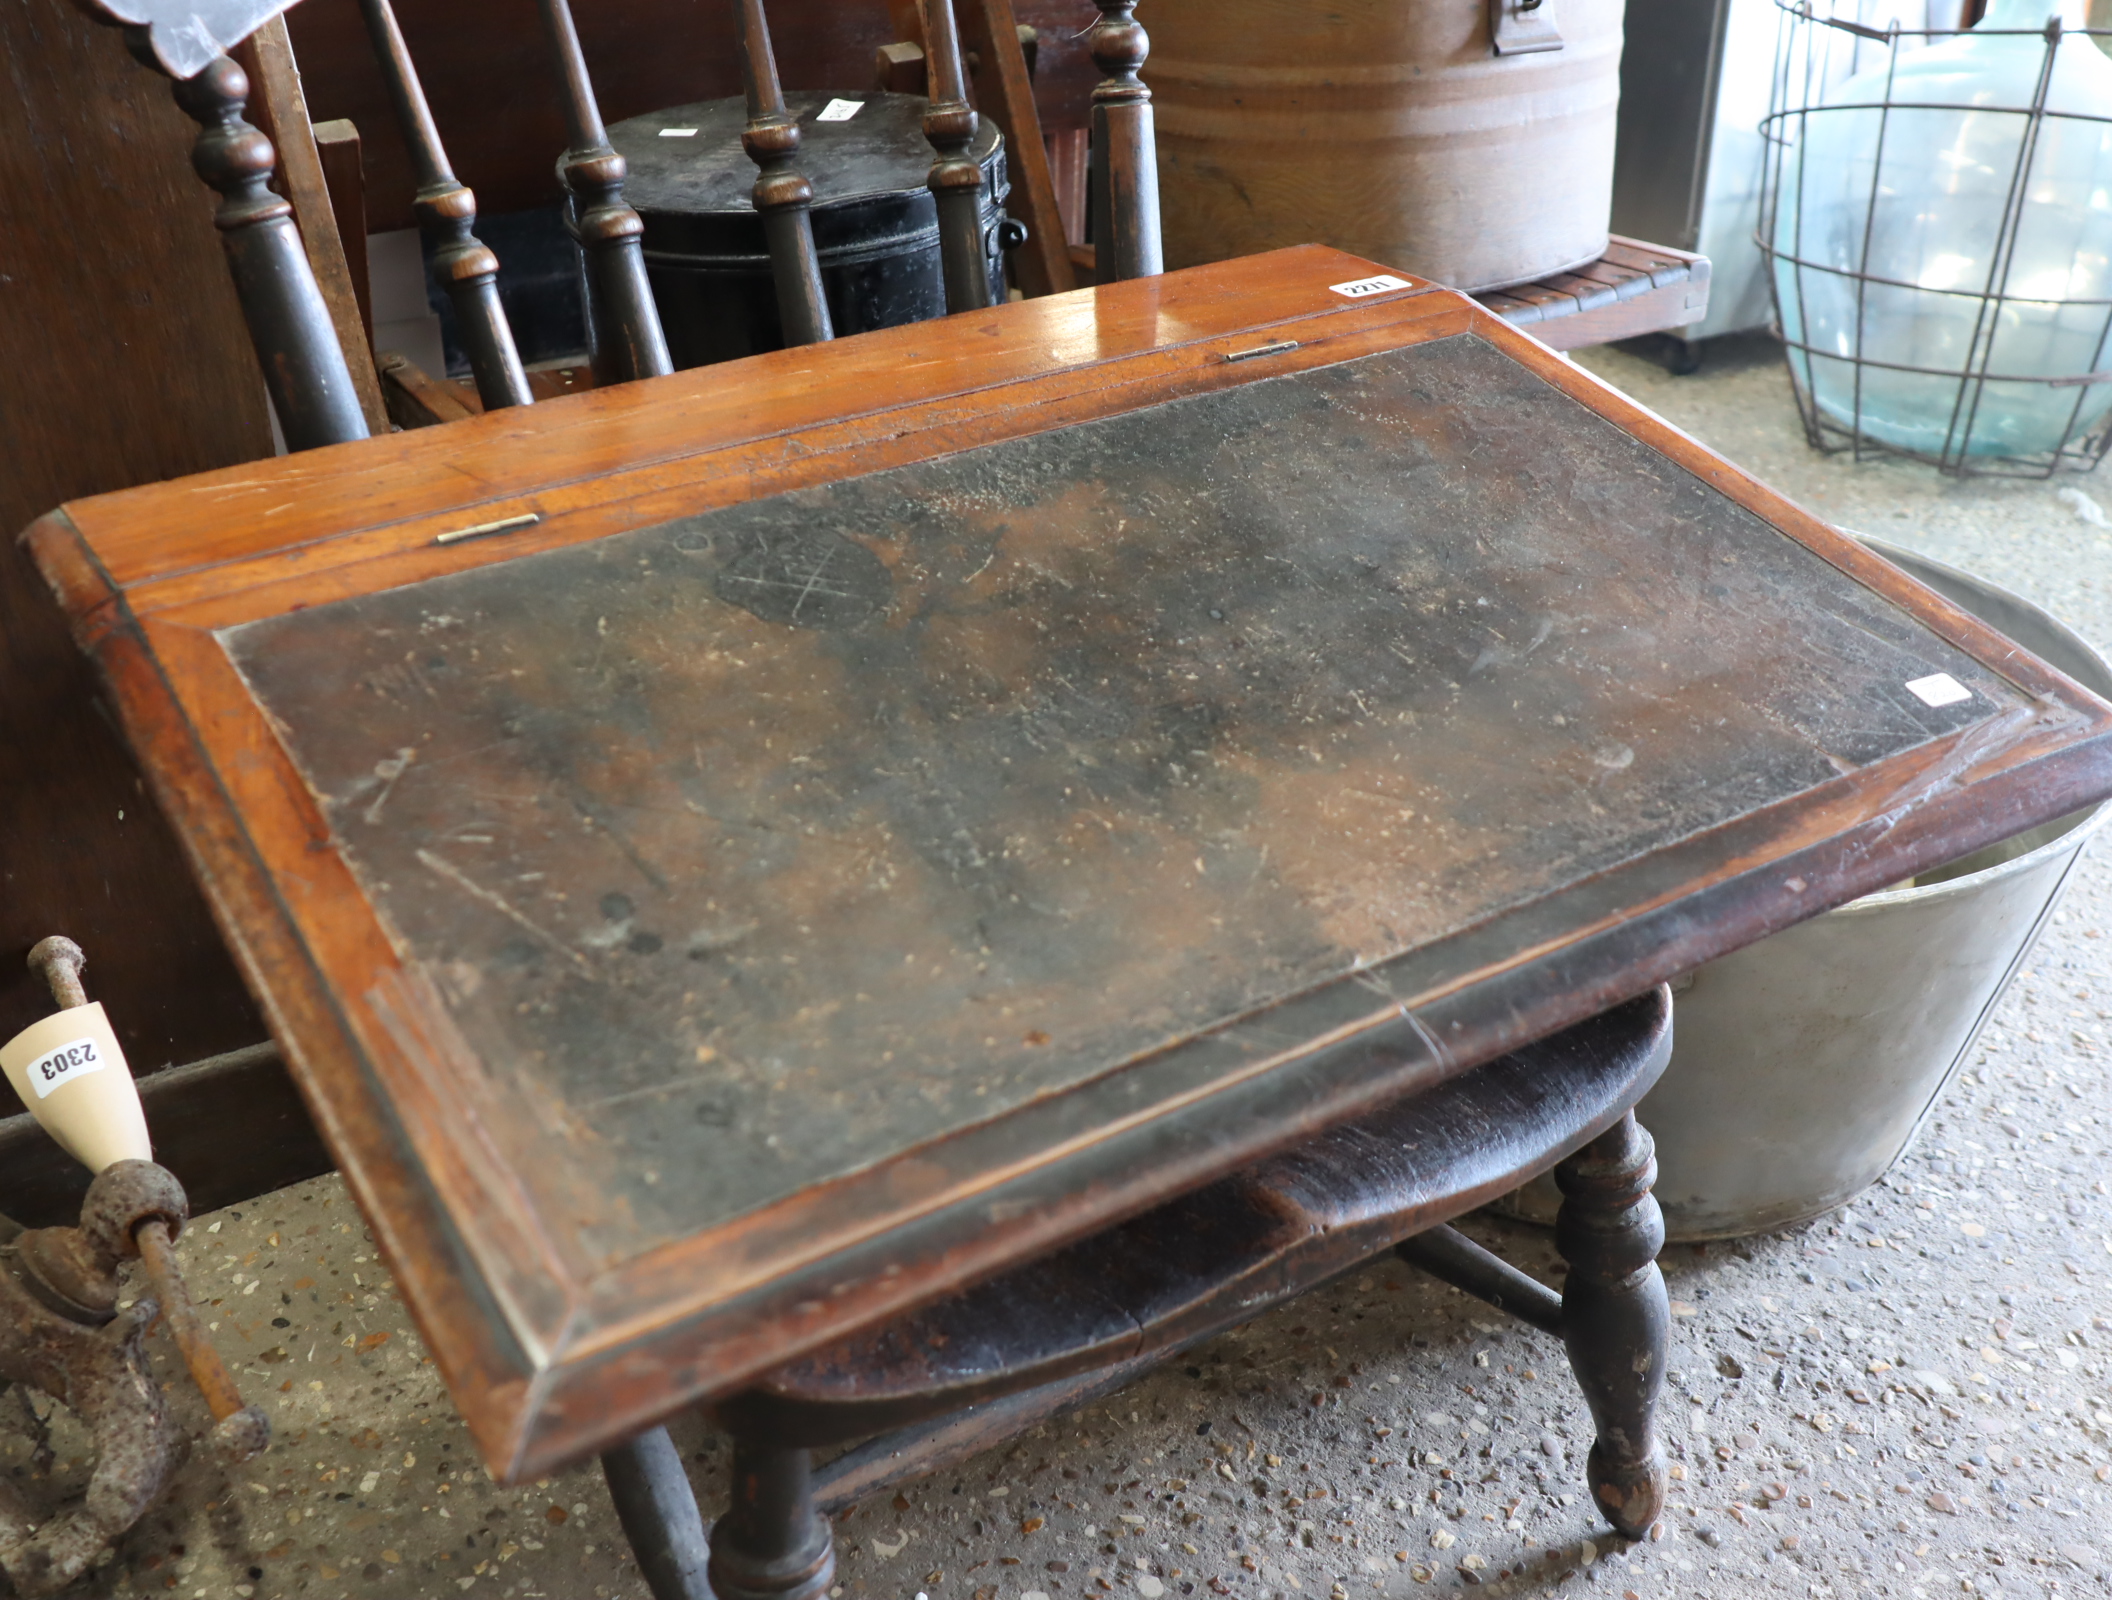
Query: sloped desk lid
x=814 y=864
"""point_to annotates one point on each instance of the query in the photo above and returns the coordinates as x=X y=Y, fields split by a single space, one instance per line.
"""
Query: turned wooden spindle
x=289 y=324
x=658 y=1510
x=1616 y=1320
x=1125 y=156
x=623 y=325
x=950 y=123
x=783 y=196
x=447 y=217
x=772 y=1543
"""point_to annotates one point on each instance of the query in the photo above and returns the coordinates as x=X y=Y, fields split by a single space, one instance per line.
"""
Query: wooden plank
x=1659 y=311
x=278 y=108
x=1635 y=288
x=128 y=361
x=1553 y=302
x=230 y=1127
x=1625 y=282
x=1659 y=268
x=1005 y=94
x=337 y=144
x=418 y=400
x=1665 y=263
x=1588 y=293
x=1069 y=163
x=1518 y=313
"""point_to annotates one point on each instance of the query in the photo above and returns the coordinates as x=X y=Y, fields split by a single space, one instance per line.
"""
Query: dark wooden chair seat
x=1224 y=1254
x=930 y=1388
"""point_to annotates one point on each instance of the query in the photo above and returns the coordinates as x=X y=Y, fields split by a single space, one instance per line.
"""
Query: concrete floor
x=1910 y=1397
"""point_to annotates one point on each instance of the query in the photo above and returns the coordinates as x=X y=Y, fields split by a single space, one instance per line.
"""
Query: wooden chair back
x=628 y=341
x=1126 y=188
x=298 y=345
x=784 y=197
x=609 y=229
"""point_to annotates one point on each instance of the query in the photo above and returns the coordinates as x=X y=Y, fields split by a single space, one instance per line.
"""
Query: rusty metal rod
x=241 y=1430
x=58 y=961
x=158 y=1253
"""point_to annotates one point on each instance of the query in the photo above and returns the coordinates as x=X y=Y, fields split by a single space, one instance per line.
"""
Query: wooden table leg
x=1615 y=1318
x=658 y=1510
x=772 y=1544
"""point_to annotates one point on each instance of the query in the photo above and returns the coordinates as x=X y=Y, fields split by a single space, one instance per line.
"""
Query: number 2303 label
x=56 y=1068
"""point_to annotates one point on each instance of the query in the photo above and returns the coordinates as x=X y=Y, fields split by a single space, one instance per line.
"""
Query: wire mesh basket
x=1936 y=223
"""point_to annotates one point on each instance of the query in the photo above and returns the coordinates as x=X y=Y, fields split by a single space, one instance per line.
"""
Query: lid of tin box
x=691 y=181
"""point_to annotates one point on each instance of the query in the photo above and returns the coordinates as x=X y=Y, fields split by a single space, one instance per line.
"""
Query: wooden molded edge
x=576 y=512
x=84 y=592
x=490 y=1383
x=526 y=1285
x=113 y=519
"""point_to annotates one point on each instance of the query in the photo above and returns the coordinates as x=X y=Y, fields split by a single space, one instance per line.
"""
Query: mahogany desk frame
x=546 y=1366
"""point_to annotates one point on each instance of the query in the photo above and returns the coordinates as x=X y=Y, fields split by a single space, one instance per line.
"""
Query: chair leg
x=772 y=1544
x=658 y=1510
x=1615 y=1318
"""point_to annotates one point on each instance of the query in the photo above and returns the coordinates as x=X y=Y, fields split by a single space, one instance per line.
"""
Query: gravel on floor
x=1911 y=1397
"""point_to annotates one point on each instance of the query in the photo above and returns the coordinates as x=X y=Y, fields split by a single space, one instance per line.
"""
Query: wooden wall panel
x=125 y=360
x=490 y=76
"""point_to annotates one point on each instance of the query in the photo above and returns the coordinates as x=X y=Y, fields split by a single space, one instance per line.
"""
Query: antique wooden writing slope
x=735 y=855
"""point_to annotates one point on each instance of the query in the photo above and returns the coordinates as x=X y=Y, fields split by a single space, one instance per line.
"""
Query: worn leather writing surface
x=761 y=845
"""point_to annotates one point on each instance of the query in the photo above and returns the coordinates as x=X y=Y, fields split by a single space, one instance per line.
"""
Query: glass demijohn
x=1938 y=243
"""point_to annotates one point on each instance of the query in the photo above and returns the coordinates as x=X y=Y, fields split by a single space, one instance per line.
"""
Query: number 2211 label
x=56 y=1068
x=1378 y=283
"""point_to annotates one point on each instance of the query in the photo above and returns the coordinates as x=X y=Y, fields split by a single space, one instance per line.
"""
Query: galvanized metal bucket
x=1804 y=1065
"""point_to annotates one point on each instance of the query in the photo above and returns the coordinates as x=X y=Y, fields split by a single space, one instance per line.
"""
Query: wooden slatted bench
x=1634 y=288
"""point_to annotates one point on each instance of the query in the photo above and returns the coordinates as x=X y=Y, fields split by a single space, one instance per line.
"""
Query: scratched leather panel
x=758 y=846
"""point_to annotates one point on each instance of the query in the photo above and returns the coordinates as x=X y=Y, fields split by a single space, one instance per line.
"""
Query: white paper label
x=678 y=133
x=839 y=111
x=83 y=1093
x=1361 y=287
x=1939 y=689
x=56 y=1068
